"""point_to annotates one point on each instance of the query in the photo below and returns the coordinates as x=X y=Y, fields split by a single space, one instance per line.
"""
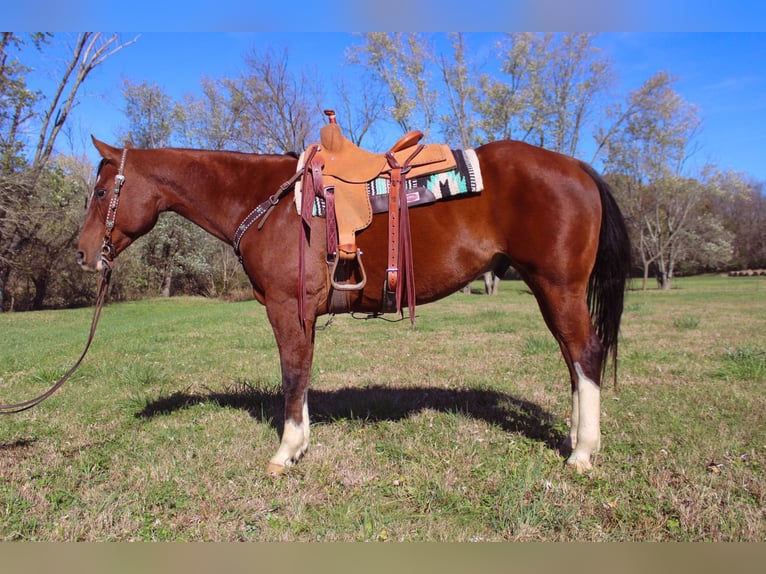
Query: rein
x=107 y=258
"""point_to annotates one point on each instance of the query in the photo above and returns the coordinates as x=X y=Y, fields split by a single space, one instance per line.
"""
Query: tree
x=44 y=274
x=399 y=62
x=153 y=118
x=707 y=247
x=16 y=100
x=276 y=113
x=151 y=115
x=212 y=121
x=16 y=108
x=546 y=91
x=359 y=110
x=575 y=76
x=24 y=162
x=680 y=229
x=740 y=205
x=645 y=154
x=460 y=124
x=504 y=103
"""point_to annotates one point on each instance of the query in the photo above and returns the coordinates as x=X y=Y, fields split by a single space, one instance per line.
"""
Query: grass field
x=448 y=431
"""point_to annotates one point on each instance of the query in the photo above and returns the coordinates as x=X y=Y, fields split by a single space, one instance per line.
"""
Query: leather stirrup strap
x=405 y=261
x=400 y=265
x=392 y=271
x=332 y=225
x=310 y=184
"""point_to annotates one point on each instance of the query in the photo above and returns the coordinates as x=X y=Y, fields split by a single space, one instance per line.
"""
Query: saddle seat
x=347 y=162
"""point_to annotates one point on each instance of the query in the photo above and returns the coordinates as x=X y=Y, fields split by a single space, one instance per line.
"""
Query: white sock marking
x=295 y=440
x=588 y=430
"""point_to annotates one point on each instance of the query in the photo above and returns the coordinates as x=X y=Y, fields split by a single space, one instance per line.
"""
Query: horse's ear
x=104 y=149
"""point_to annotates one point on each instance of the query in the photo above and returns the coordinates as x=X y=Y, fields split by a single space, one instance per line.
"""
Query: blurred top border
x=391 y=15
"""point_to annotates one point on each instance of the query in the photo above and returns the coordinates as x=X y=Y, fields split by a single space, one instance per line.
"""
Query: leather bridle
x=107 y=248
x=107 y=259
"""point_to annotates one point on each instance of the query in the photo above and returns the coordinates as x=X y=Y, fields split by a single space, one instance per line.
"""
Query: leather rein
x=107 y=259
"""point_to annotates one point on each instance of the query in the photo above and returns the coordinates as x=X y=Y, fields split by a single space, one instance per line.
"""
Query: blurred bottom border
x=383 y=558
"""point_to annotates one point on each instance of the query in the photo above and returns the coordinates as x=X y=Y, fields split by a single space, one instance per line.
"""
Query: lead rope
x=107 y=256
x=103 y=287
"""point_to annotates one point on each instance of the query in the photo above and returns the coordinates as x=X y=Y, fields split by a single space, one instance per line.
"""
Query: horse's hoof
x=580 y=465
x=275 y=470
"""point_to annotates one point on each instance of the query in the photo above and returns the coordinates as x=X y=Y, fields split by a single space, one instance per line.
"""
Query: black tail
x=606 y=287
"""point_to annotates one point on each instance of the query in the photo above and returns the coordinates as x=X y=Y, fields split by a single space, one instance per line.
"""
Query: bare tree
x=277 y=114
x=22 y=203
x=645 y=153
x=359 y=110
x=399 y=61
x=460 y=87
x=90 y=50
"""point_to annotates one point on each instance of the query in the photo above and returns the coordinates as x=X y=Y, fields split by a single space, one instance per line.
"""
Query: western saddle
x=338 y=171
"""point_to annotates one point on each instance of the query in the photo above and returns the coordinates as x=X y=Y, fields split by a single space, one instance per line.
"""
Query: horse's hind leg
x=566 y=313
x=296 y=351
x=585 y=429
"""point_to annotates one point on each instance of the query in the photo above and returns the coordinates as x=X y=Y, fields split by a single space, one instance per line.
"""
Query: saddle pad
x=465 y=179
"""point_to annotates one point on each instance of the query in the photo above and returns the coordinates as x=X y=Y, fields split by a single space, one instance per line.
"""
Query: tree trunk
x=491 y=283
x=646 y=276
x=41 y=289
x=5 y=272
x=167 y=282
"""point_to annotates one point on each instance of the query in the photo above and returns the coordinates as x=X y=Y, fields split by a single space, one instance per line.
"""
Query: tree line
x=551 y=90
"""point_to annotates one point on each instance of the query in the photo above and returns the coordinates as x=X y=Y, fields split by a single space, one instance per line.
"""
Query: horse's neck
x=232 y=185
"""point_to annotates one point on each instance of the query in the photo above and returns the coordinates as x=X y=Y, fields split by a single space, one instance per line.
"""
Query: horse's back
x=529 y=177
x=546 y=206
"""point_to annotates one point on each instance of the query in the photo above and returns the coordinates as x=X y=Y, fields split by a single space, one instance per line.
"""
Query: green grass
x=744 y=363
x=448 y=431
x=686 y=322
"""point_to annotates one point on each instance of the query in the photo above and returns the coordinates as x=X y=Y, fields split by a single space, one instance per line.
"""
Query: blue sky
x=724 y=74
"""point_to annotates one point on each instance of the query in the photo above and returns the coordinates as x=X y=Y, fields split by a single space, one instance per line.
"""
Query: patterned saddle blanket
x=464 y=180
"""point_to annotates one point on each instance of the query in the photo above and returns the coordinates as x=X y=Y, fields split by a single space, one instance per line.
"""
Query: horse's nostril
x=80 y=257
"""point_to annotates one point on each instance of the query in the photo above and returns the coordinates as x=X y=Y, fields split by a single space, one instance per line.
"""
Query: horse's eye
x=100 y=192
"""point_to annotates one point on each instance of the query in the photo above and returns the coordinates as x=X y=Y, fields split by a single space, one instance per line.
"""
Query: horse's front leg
x=296 y=351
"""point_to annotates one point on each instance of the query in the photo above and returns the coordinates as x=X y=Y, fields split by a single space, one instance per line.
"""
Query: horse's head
x=136 y=212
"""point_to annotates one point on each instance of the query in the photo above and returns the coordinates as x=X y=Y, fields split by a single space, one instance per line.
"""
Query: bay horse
x=550 y=216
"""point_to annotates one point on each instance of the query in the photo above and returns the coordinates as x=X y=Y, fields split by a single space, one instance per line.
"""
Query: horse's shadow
x=376 y=403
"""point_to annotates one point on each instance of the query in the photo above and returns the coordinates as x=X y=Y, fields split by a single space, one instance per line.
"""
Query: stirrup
x=388 y=304
x=348 y=286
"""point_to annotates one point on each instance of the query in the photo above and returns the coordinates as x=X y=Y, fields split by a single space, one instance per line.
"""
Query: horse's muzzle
x=84 y=265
